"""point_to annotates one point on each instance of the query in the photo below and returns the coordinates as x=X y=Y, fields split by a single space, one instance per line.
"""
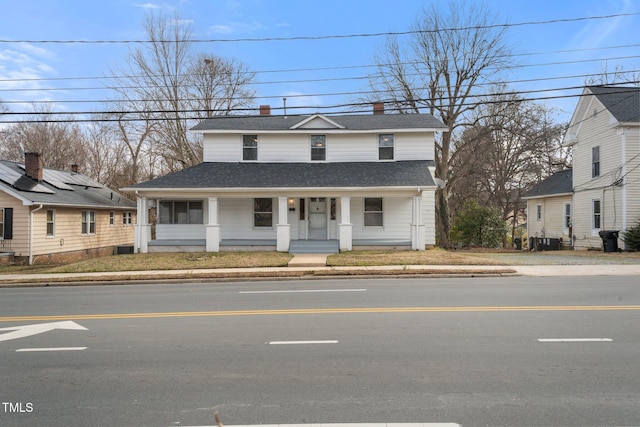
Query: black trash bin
x=518 y=242
x=609 y=240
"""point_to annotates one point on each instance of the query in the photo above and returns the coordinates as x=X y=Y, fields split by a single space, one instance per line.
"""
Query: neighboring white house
x=274 y=182
x=604 y=134
x=549 y=209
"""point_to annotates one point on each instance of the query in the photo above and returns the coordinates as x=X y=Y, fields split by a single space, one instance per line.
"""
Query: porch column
x=142 y=231
x=212 y=228
x=283 y=229
x=346 y=236
x=417 y=227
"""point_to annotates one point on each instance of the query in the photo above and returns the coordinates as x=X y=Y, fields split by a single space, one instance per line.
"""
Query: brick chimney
x=33 y=166
x=265 y=110
x=74 y=168
x=378 y=107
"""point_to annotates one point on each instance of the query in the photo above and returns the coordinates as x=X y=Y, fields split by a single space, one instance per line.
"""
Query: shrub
x=632 y=238
x=478 y=226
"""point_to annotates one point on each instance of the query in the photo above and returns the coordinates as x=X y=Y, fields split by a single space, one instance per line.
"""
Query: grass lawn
x=428 y=257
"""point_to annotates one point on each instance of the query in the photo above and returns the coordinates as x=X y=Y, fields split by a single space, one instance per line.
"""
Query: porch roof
x=210 y=175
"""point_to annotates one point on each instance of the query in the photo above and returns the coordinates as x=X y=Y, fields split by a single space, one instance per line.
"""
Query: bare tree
x=168 y=88
x=617 y=76
x=454 y=48
x=513 y=144
x=61 y=144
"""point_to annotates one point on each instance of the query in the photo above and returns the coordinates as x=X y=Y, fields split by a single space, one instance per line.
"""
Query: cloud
x=151 y=6
x=236 y=28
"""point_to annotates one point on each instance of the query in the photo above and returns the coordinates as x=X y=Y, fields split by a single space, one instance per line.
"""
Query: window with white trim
x=127 y=218
x=596 y=213
x=180 y=212
x=373 y=213
x=112 y=218
x=318 y=147
x=595 y=162
x=88 y=222
x=567 y=215
x=249 y=147
x=51 y=222
x=385 y=147
x=262 y=212
x=538 y=212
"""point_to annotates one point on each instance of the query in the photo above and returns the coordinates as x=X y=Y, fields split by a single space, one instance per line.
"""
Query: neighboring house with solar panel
x=49 y=215
x=549 y=209
x=316 y=183
x=604 y=134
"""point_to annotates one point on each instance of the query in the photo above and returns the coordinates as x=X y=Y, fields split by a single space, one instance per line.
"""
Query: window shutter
x=8 y=224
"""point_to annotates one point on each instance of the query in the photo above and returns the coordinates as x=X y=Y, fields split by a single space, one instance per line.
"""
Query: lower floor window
x=263 y=212
x=373 y=214
x=127 y=218
x=88 y=222
x=51 y=223
x=181 y=212
x=596 y=214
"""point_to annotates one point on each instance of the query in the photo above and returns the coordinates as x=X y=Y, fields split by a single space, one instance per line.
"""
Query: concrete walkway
x=308 y=260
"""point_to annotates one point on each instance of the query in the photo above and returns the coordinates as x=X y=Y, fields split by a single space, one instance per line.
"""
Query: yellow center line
x=365 y=310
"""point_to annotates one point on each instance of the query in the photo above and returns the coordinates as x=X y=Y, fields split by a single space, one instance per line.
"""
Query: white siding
x=396 y=219
x=429 y=216
x=295 y=147
x=223 y=148
x=632 y=180
x=414 y=146
x=596 y=131
x=180 y=231
x=236 y=220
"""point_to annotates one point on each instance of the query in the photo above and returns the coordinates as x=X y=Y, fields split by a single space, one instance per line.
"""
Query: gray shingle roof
x=92 y=194
x=414 y=173
x=622 y=102
x=349 y=122
x=558 y=183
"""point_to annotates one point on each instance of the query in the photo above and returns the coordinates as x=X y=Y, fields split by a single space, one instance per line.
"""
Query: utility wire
x=333 y=36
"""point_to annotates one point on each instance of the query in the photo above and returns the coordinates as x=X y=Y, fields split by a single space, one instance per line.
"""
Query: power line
x=345 y=108
x=332 y=36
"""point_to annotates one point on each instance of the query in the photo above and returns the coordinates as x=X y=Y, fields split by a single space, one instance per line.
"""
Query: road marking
x=28 y=330
x=52 y=349
x=302 y=291
x=575 y=340
x=361 y=310
x=302 y=342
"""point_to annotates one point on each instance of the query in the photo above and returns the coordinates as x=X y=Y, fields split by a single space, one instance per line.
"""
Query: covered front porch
x=298 y=223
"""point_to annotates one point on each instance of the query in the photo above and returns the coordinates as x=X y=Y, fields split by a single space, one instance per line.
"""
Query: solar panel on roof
x=8 y=175
x=56 y=178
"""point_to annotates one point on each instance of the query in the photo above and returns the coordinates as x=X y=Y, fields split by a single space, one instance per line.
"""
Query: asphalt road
x=485 y=351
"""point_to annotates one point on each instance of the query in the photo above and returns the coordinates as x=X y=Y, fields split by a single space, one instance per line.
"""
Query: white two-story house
x=280 y=182
x=604 y=134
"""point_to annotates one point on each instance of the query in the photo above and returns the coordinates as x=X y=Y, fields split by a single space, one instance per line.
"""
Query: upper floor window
x=51 y=222
x=596 y=214
x=263 y=212
x=112 y=218
x=538 y=212
x=249 y=147
x=318 y=147
x=595 y=162
x=385 y=147
x=88 y=222
x=180 y=212
x=373 y=212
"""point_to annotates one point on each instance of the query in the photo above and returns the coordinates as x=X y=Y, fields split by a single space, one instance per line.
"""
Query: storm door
x=318 y=218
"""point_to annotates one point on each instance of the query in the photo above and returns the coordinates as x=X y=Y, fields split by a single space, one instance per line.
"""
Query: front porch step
x=314 y=247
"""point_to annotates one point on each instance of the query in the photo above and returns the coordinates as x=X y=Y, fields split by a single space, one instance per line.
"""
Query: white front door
x=318 y=218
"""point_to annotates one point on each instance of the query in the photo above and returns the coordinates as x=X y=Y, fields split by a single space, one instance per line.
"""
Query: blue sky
x=25 y=67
